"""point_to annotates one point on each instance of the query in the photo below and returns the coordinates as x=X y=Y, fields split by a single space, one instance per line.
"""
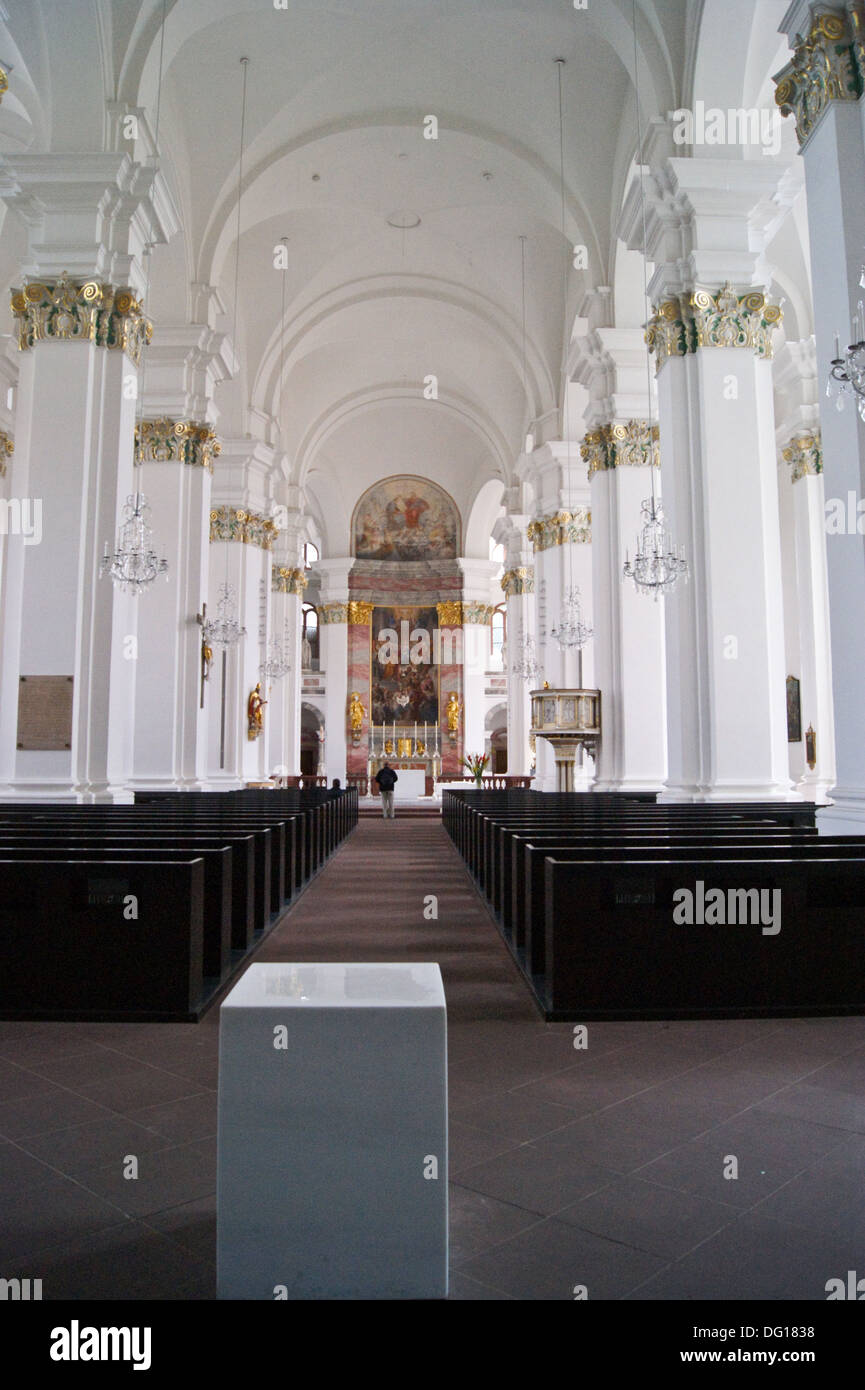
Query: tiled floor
x=606 y=1167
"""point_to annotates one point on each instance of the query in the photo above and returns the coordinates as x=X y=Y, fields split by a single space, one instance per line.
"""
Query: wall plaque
x=45 y=713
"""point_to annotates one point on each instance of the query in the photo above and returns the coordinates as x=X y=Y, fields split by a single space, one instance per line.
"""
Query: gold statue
x=356 y=712
x=254 y=706
x=452 y=711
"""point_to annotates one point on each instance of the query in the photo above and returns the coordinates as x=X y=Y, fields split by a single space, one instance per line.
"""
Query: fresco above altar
x=406 y=518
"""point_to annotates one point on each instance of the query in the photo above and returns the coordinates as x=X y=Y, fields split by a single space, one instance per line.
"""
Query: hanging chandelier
x=134 y=564
x=656 y=566
x=572 y=631
x=847 y=372
x=526 y=665
x=224 y=630
x=277 y=664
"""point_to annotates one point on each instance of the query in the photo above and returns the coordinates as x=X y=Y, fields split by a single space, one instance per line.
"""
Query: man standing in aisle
x=387 y=780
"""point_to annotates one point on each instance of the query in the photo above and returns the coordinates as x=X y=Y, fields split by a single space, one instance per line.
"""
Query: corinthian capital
x=827 y=65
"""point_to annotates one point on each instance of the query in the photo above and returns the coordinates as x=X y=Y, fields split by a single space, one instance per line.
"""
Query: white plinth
x=324 y=1142
x=411 y=785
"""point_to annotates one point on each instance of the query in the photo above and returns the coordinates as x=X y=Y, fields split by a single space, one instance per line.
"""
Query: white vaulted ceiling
x=340 y=91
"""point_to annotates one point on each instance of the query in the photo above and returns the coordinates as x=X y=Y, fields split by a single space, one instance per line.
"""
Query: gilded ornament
x=805 y=455
x=4 y=83
x=359 y=613
x=827 y=65
x=632 y=444
x=235 y=524
x=563 y=528
x=287 y=581
x=478 y=613
x=332 y=613
x=706 y=319
x=450 y=613
x=518 y=581
x=7 y=449
x=86 y=312
x=177 y=441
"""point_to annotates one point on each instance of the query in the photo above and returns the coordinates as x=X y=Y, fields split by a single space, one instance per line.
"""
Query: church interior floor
x=603 y=1167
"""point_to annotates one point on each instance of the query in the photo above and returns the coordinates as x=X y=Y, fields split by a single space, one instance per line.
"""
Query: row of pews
x=616 y=907
x=146 y=911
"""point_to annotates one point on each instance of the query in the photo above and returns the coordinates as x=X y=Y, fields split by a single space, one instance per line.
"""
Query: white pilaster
x=333 y=661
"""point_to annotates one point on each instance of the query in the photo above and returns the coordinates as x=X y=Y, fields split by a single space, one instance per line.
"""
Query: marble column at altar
x=333 y=633
x=80 y=324
x=452 y=742
x=561 y=535
x=242 y=537
x=175 y=469
x=359 y=657
x=288 y=584
x=821 y=89
x=711 y=334
x=517 y=584
x=628 y=644
x=803 y=457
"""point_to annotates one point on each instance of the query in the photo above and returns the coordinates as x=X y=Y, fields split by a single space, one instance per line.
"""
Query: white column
x=727 y=735
x=833 y=152
x=629 y=627
x=81 y=326
x=287 y=587
x=477 y=610
x=241 y=540
x=804 y=456
x=518 y=582
x=333 y=661
x=629 y=642
x=561 y=534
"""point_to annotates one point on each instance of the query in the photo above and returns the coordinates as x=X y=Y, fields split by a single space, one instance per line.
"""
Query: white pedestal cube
x=332 y=1148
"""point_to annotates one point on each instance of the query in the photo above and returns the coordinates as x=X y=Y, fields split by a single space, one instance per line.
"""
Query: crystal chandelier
x=224 y=630
x=526 y=665
x=572 y=631
x=847 y=373
x=656 y=566
x=277 y=664
x=134 y=563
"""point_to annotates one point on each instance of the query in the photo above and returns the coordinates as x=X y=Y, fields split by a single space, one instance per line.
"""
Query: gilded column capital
x=332 y=613
x=564 y=528
x=237 y=524
x=828 y=64
x=713 y=318
x=518 y=581
x=450 y=613
x=4 y=83
x=359 y=612
x=633 y=444
x=478 y=613
x=83 y=311
x=177 y=441
x=804 y=453
x=287 y=581
x=7 y=449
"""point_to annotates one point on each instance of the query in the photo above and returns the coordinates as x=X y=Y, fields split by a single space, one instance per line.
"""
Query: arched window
x=497 y=552
x=310 y=554
x=498 y=629
x=310 y=634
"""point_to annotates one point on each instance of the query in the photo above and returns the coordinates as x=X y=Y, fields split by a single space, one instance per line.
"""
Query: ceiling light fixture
x=656 y=567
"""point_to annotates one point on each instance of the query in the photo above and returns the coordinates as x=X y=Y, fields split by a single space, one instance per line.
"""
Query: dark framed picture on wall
x=794 y=711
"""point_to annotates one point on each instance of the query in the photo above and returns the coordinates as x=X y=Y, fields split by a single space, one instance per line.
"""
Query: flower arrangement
x=476 y=762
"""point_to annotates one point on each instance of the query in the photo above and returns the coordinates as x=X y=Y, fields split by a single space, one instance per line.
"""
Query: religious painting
x=404 y=689
x=794 y=711
x=406 y=518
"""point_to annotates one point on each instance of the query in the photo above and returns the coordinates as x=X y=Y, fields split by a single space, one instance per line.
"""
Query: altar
x=411 y=785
